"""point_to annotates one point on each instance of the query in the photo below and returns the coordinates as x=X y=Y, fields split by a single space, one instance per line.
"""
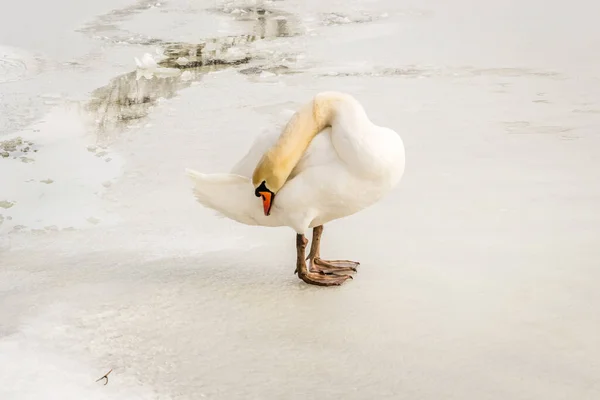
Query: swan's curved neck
x=278 y=162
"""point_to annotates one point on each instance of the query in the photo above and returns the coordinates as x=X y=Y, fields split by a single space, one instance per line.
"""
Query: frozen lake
x=479 y=274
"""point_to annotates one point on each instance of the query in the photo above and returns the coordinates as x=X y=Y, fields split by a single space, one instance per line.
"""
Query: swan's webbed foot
x=324 y=276
x=332 y=266
x=322 y=279
x=317 y=264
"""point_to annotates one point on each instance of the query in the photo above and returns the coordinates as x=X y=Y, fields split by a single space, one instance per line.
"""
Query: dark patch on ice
x=17 y=148
x=586 y=111
x=128 y=98
x=273 y=69
x=6 y=204
x=210 y=52
x=267 y=23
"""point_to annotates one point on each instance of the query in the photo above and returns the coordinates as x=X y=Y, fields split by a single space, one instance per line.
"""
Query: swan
x=329 y=161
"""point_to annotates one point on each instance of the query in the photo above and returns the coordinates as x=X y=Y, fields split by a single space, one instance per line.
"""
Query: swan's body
x=329 y=162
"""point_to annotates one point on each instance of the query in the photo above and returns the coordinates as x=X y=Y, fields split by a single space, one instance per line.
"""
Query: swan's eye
x=261 y=188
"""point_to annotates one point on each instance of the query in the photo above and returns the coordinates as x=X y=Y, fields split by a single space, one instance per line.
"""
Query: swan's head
x=268 y=179
x=267 y=197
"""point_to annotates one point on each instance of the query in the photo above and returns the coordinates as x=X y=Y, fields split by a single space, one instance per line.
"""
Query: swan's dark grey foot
x=333 y=266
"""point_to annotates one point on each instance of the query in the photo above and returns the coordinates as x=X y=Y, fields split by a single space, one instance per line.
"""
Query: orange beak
x=267 y=198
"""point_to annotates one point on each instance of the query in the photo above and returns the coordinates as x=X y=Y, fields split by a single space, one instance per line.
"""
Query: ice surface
x=479 y=274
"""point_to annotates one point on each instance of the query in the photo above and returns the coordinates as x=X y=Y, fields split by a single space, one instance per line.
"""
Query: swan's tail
x=230 y=195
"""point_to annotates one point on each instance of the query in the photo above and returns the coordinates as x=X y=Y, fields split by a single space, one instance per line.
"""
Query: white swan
x=329 y=162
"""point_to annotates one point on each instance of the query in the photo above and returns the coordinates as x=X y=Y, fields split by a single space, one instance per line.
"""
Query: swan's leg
x=314 y=278
x=327 y=266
